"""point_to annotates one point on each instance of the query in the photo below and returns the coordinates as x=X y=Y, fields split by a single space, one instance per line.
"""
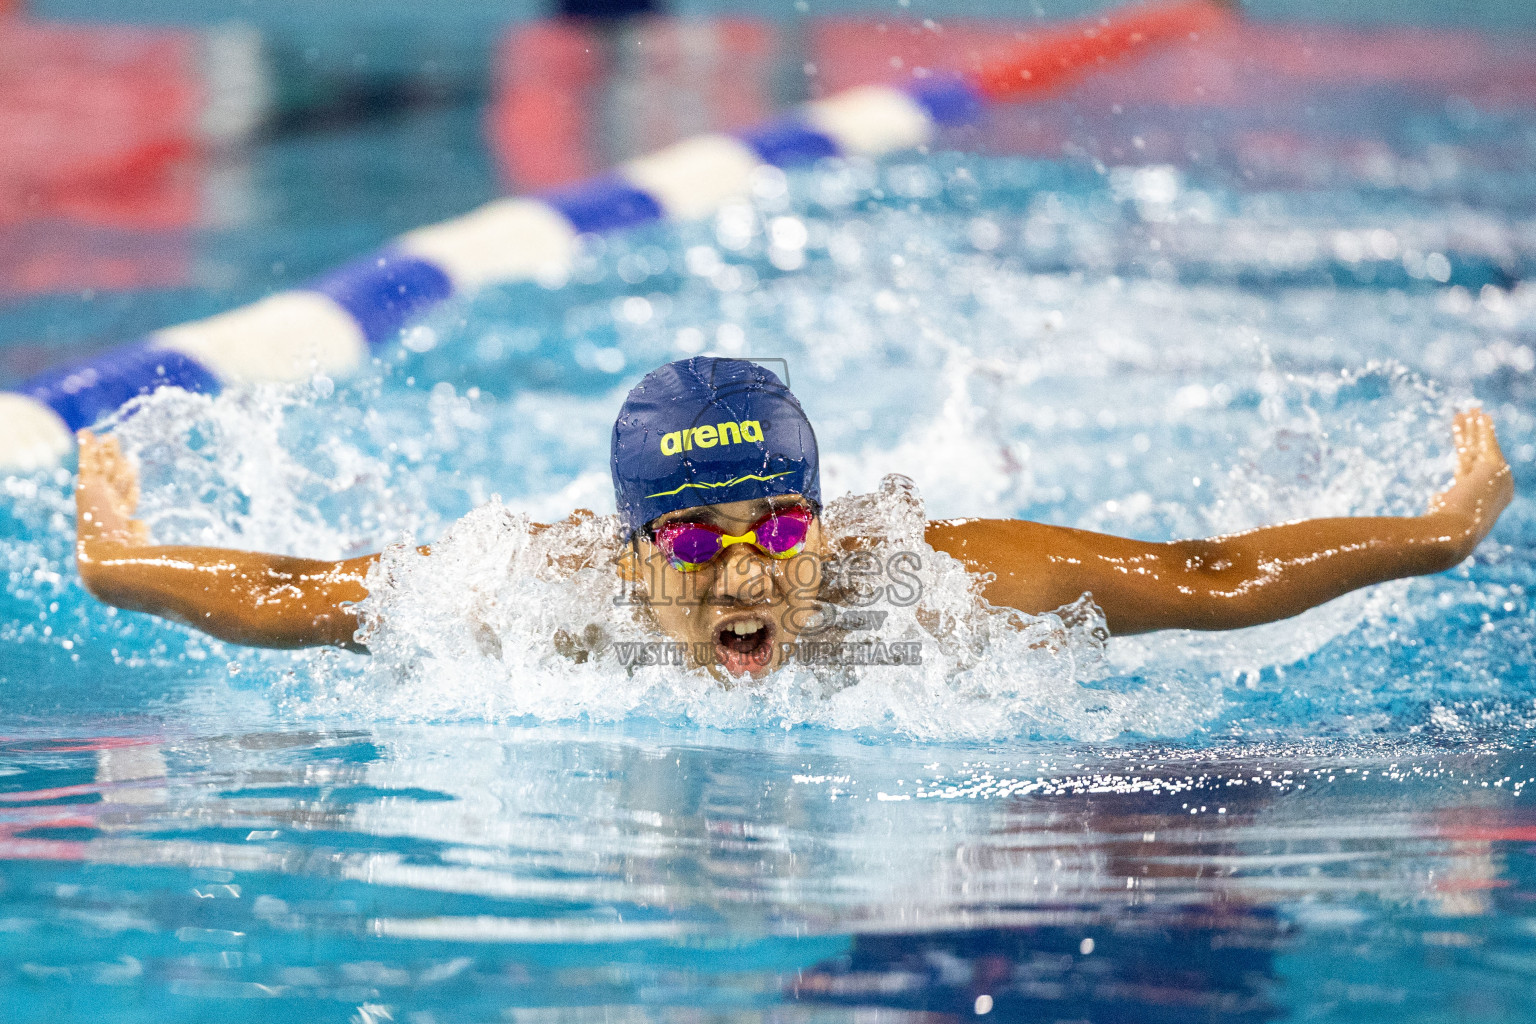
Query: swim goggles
x=690 y=546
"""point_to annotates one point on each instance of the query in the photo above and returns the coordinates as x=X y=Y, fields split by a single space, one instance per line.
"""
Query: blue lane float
x=382 y=292
x=789 y=141
x=604 y=204
x=333 y=324
x=83 y=393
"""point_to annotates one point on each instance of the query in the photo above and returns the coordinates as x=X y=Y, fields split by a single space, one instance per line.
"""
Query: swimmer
x=716 y=475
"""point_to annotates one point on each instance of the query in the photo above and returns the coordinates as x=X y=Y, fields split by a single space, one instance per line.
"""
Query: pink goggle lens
x=691 y=546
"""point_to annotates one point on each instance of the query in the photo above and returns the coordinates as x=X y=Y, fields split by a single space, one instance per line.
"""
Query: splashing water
x=1152 y=405
x=490 y=625
x=1325 y=818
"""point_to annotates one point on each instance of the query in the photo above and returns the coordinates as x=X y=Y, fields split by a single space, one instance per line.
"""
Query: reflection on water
x=1262 y=311
x=1214 y=964
x=469 y=873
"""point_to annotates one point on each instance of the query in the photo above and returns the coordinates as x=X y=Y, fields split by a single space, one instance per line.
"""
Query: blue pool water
x=1322 y=819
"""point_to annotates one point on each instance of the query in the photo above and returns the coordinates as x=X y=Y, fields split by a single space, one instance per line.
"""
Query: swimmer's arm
x=1243 y=579
x=245 y=597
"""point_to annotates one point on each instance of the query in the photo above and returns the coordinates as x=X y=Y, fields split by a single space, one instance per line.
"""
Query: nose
x=743 y=576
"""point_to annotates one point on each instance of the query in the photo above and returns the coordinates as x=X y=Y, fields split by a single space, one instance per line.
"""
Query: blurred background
x=164 y=159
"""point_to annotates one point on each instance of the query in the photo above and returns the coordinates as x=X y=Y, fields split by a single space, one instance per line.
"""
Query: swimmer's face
x=741 y=608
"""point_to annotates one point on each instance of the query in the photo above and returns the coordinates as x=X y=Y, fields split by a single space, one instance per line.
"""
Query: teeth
x=746 y=628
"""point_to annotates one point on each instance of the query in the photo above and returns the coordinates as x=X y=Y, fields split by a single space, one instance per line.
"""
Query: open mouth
x=744 y=644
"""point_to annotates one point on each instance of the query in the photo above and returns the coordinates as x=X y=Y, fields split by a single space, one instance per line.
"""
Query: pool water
x=1321 y=819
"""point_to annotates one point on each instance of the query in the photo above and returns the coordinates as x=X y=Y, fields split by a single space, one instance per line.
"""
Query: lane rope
x=335 y=323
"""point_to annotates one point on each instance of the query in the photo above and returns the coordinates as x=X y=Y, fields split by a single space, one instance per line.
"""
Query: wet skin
x=247 y=597
x=1225 y=582
x=1241 y=579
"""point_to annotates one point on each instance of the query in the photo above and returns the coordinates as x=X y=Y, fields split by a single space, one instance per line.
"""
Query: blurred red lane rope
x=1041 y=62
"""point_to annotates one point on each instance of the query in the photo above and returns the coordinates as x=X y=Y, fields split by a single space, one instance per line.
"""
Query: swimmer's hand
x=1483 y=487
x=107 y=495
x=247 y=597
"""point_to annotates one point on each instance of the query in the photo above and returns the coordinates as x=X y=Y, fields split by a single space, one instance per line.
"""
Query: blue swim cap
x=703 y=431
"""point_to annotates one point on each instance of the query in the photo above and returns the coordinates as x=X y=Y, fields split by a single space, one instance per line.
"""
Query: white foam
x=1139 y=405
x=237 y=470
x=487 y=626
